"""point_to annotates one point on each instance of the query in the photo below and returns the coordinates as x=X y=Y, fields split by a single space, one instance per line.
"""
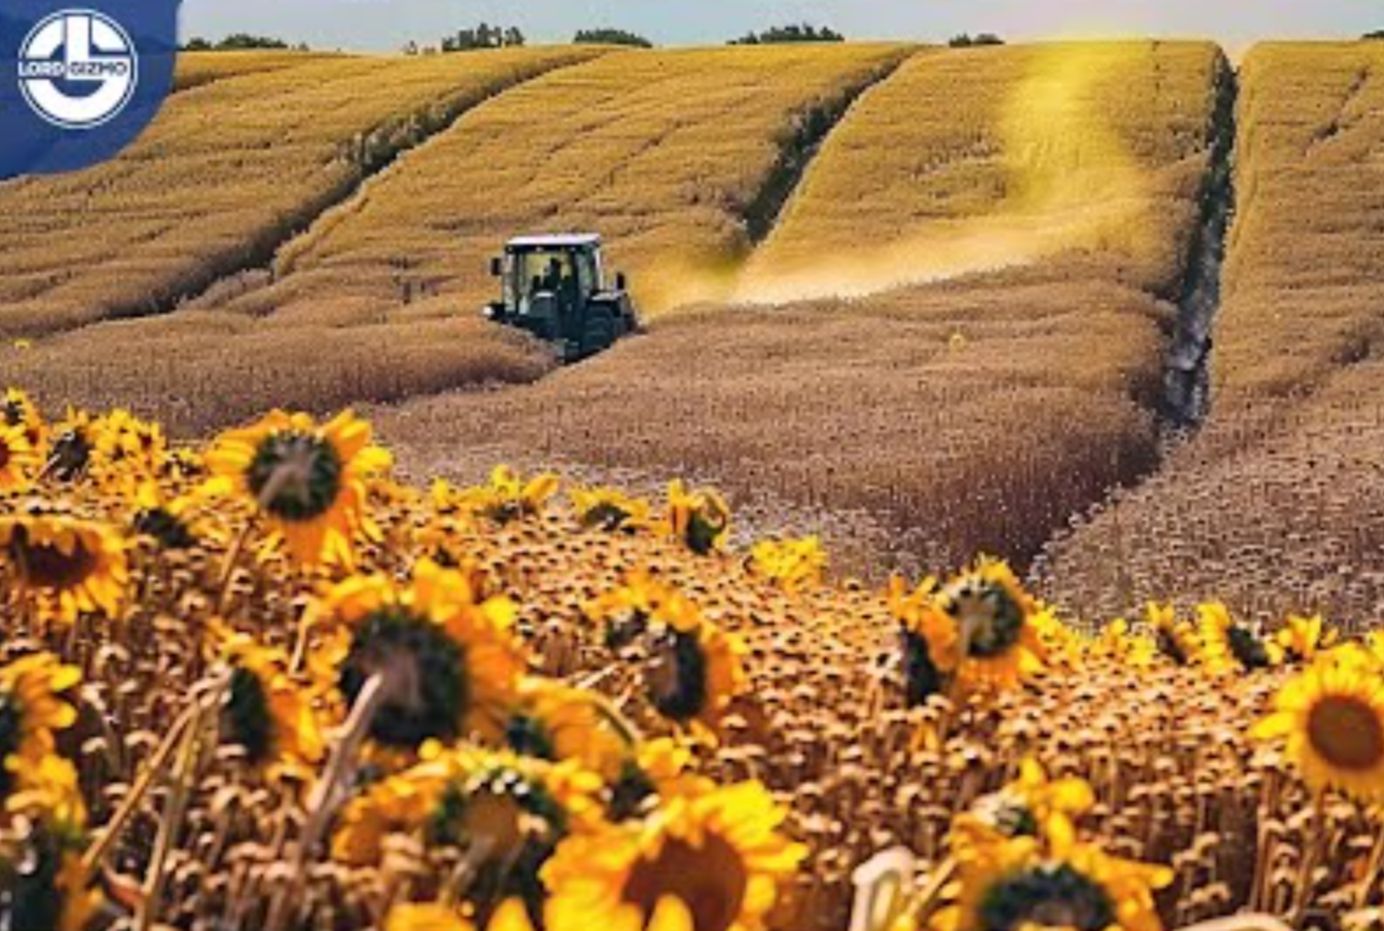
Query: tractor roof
x=555 y=241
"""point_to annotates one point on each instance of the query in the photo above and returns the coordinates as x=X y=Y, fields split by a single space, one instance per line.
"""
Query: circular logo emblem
x=78 y=69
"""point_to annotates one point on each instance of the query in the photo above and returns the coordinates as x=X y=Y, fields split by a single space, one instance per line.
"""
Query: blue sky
x=387 y=24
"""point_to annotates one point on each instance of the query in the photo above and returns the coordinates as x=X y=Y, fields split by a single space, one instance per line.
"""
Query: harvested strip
x=1000 y=157
x=223 y=176
x=1278 y=503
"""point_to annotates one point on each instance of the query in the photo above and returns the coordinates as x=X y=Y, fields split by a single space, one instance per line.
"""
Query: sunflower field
x=259 y=683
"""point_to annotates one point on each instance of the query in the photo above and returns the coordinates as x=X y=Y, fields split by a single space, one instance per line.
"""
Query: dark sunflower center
x=70 y=456
x=1346 y=732
x=11 y=733
x=297 y=476
x=4 y=454
x=1053 y=897
x=623 y=631
x=702 y=532
x=516 y=821
x=921 y=678
x=45 y=566
x=529 y=736
x=1248 y=649
x=676 y=676
x=247 y=718
x=13 y=412
x=993 y=618
x=1009 y=815
x=710 y=880
x=628 y=793
x=605 y=516
x=1169 y=647
x=426 y=674
x=32 y=896
x=171 y=533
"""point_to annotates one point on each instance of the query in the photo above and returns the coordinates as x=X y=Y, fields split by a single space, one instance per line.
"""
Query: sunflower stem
x=1313 y=848
x=1372 y=872
x=91 y=859
x=623 y=726
x=223 y=584
x=321 y=803
x=172 y=820
x=922 y=904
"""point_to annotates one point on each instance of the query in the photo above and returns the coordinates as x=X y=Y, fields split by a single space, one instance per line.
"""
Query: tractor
x=555 y=287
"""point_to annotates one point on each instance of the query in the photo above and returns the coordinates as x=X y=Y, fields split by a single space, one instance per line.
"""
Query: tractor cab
x=555 y=287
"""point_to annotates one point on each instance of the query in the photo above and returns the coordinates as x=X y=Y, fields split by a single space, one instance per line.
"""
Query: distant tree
x=243 y=40
x=1377 y=34
x=966 y=40
x=240 y=41
x=410 y=47
x=608 y=36
x=483 y=36
x=791 y=33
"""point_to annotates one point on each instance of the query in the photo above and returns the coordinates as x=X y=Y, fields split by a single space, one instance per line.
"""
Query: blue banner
x=79 y=80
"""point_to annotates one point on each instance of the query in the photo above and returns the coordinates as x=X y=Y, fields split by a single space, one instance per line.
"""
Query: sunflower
x=448 y=652
x=1022 y=882
x=1332 y=716
x=1225 y=643
x=694 y=669
x=1177 y=639
x=45 y=882
x=791 y=564
x=1031 y=806
x=1117 y=642
x=711 y=860
x=926 y=638
x=699 y=518
x=309 y=480
x=70 y=449
x=19 y=462
x=125 y=451
x=609 y=509
x=68 y=566
x=31 y=709
x=553 y=721
x=1300 y=638
x=656 y=770
x=628 y=610
x=994 y=642
x=163 y=520
x=511 y=915
x=267 y=712
x=508 y=812
x=16 y=410
x=508 y=496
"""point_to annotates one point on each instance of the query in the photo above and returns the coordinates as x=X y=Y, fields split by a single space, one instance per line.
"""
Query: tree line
x=487 y=36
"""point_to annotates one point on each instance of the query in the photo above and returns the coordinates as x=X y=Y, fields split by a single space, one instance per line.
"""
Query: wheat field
x=976 y=414
x=197 y=68
x=663 y=153
x=227 y=171
x=1277 y=501
x=998 y=157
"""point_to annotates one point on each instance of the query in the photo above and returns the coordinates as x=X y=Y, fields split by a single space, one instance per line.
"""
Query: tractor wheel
x=600 y=332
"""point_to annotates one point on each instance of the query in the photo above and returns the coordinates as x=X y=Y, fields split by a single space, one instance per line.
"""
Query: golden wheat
x=1278 y=501
x=227 y=171
x=997 y=157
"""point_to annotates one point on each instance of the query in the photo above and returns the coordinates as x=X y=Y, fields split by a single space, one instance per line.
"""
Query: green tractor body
x=555 y=288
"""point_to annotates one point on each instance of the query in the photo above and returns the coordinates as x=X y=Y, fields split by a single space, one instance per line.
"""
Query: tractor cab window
x=541 y=271
x=588 y=275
